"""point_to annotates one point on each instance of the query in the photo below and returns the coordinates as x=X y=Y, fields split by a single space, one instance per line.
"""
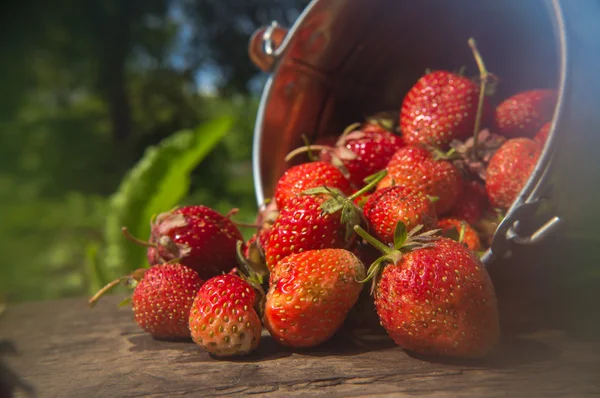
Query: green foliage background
x=111 y=111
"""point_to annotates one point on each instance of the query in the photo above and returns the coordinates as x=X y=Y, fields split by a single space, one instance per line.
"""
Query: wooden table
x=68 y=350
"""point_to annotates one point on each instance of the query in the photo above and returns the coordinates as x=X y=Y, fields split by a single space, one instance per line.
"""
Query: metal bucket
x=345 y=59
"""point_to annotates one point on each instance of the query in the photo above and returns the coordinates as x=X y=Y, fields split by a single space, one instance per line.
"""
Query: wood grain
x=68 y=350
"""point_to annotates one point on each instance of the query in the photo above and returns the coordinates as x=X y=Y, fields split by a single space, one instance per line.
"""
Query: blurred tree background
x=91 y=92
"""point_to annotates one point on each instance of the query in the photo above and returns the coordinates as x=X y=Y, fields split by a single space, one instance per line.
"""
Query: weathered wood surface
x=67 y=350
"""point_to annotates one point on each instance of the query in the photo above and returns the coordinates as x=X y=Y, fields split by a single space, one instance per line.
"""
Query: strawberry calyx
x=129 y=281
x=254 y=270
x=250 y=276
x=404 y=241
x=165 y=222
x=350 y=213
x=438 y=154
x=473 y=159
x=137 y=241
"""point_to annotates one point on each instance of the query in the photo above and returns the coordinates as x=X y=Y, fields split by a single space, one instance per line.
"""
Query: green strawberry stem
x=350 y=129
x=309 y=152
x=373 y=180
x=483 y=77
x=372 y=240
x=135 y=276
x=461 y=233
x=403 y=242
x=303 y=149
x=232 y=212
x=135 y=240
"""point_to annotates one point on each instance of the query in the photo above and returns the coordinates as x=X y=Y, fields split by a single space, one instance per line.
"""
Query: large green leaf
x=159 y=182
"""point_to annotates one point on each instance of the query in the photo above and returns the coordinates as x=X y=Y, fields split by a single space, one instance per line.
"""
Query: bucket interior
x=349 y=59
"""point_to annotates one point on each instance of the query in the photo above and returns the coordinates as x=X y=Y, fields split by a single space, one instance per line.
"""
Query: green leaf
x=124 y=302
x=400 y=235
x=157 y=183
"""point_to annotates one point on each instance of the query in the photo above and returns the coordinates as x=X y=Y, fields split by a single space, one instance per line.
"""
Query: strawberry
x=433 y=295
x=439 y=108
x=415 y=167
x=542 y=134
x=309 y=175
x=310 y=296
x=197 y=236
x=465 y=233
x=222 y=318
x=319 y=218
x=523 y=114
x=363 y=151
x=472 y=203
x=509 y=169
x=162 y=299
x=302 y=226
x=396 y=203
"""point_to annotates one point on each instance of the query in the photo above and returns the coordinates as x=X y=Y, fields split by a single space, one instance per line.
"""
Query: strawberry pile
x=394 y=213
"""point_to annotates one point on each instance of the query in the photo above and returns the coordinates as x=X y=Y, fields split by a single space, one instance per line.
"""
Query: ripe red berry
x=509 y=169
x=433 y=296
x=364 y=151
x=311 y=294
x=523 y=114
x=439 y=108
x=198 y=236
x=302 y=226
x=415 y=167
x=396 y=203
x=162 y=300
x=301 y=177
x=222 y=318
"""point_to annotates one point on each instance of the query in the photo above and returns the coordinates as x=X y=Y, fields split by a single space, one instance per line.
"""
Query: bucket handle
x=264 y=47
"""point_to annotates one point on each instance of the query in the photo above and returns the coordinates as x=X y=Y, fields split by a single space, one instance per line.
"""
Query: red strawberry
x=396 y=203
x=415 y=167
x=319 y=218
x=523 y=114
x=439 y=108
x=466 y=234
x=197 y=236
x=509 y=169
x=302 y=226
x=311 y=294
x=222 y=319
x=472 y=203
x=364 y=151
x=434 y=296
x=542 y=134
x=309 y=175
x=162 y=300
